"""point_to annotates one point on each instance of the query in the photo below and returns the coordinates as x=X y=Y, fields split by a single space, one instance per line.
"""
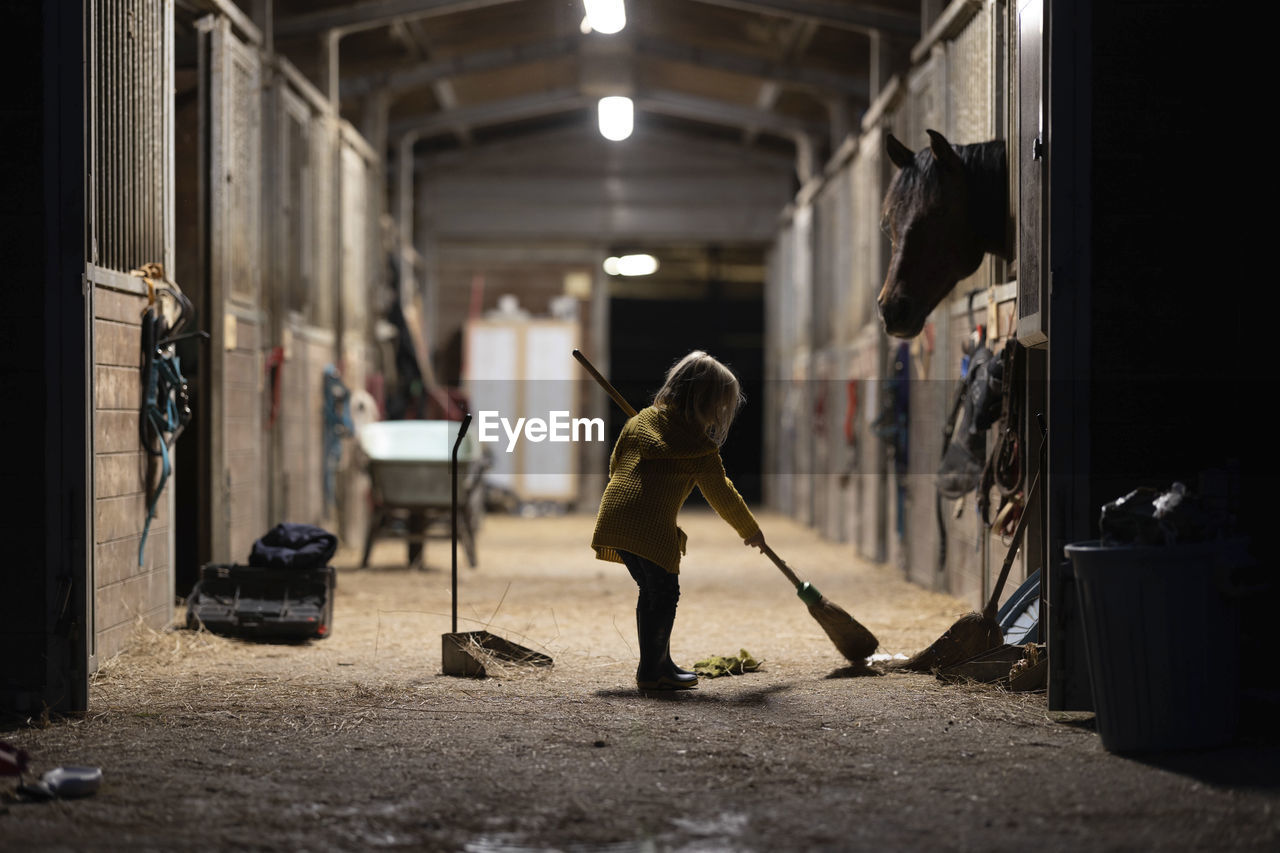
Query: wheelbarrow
x=408 y=464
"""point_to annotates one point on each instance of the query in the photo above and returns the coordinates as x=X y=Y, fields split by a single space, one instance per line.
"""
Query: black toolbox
x=265 y=603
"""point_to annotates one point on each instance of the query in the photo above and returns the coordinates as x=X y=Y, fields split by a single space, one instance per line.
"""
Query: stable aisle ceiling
x=771 y=74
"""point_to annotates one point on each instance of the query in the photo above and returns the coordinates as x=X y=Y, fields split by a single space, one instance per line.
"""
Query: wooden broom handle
x=604 y=383
x=782 y=567
x=990 y=611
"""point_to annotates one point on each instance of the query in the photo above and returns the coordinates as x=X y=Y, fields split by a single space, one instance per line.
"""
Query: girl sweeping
x=662 y=453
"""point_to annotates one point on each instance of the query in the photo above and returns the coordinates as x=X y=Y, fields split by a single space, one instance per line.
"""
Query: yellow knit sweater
x=657 y=461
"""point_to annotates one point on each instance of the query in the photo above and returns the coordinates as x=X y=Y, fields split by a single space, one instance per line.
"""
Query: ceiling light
x=617 y=117
x=631 y=265
x=604 y=16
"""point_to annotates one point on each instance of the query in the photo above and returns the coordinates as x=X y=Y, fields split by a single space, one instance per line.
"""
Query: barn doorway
x=708 y=297
x=190 y=121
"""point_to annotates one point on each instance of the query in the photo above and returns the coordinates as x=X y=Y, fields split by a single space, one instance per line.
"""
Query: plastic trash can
x=1162 y=630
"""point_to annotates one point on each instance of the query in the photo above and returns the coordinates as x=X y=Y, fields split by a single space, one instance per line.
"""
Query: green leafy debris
x=718 y=665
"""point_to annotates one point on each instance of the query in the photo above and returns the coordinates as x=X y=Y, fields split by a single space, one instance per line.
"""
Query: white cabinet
x=522 y=382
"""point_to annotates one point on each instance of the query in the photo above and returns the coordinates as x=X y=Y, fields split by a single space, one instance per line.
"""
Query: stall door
x=1031 y=168
x=235 y=480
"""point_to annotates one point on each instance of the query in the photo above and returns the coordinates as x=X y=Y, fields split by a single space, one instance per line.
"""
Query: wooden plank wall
x=826 y=332
x=360 y=271
x=125 y=592
x=244 y=437
x=131 y=225
x=302 y=400
x=240 y=300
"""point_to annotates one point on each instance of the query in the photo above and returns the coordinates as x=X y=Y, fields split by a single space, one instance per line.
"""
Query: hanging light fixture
x=604 y=16
x=630 y=265
x=617 y=117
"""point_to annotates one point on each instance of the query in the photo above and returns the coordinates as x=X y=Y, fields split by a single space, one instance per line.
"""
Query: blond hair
x=704 y=392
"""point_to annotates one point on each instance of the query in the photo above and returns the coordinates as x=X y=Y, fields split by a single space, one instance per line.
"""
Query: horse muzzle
x=901 y=316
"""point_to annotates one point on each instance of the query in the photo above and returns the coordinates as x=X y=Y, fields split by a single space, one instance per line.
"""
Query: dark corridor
x=726 y=319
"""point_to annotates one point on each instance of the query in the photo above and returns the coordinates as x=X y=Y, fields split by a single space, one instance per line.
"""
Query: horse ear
x=900 y=154
x=942 y=150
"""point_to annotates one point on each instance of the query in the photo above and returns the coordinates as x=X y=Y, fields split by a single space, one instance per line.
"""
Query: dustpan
x=466 y=653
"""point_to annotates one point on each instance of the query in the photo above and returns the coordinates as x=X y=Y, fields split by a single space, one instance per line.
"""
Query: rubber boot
x=679 y=673
x=671 y=666
x=656 y=670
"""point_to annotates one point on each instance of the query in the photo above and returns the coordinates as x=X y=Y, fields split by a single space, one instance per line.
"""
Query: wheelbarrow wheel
x=375 y=526
x=417 y=537
x=467 y=535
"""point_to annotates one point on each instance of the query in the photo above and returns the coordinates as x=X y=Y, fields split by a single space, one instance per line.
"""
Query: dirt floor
x=357 y=742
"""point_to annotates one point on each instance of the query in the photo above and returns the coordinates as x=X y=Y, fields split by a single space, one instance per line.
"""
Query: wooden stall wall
x=865 y=349
x=780 y=336
x=800 y=397
x=970 y=105
x=826 y=352
x=929 y=374
x=955 y=87
x=361 y=271
x=304 y=289
x=131 y=223
x=838 y=408
x=249 y=146
x=238 y=313
x=277 y=241
x=307 y=351
x=126 y=590
x=891 y=113
x=294 y=280
x=831 y=207
x=843 y=474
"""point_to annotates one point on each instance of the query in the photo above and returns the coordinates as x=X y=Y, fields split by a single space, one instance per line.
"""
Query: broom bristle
x=970 y=635
x=852 y=640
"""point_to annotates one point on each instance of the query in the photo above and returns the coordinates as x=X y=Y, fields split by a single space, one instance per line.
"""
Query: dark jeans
x=659 y=588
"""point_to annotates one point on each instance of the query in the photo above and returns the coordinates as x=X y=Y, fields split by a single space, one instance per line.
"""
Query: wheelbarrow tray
x=408 y=465
x=409 y=461
x=263 y=603
x=412 y=484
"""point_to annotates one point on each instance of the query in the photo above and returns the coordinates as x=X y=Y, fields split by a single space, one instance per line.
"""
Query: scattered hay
x=149 y=649
x=495 y=665
x=538 y=579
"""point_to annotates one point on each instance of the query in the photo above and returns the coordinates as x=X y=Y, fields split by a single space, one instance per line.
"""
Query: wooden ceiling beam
x=712 y=111
x=423 y=51
x=494 y=112
x=370 y=14
x=431 y=72
x=662 y=102
x=863 y=17
x=796 y=39
x=785 y=74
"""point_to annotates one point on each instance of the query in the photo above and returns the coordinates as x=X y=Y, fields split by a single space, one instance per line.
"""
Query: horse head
x=946 y=207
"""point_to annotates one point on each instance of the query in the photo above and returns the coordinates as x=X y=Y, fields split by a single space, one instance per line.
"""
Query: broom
x=975 y=633
x=851 y=639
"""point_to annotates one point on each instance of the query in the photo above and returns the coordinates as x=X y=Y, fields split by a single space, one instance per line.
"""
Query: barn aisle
x=357 y=742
